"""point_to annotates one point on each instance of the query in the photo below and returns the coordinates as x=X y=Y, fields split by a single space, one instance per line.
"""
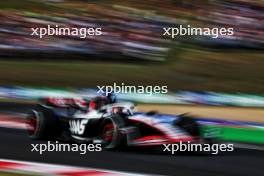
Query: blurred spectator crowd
x=130 y=28
x=245 y=16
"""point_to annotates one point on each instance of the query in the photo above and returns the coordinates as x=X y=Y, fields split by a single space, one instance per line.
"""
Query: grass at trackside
x=190 y=70
x=77 y=74
x=14 y=174
x=251 y=135
x=248 y=134
x=24 y=5
x=20 y=5
x=19 y=101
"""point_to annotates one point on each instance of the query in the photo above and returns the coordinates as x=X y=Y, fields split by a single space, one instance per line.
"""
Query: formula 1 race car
x=113 y=125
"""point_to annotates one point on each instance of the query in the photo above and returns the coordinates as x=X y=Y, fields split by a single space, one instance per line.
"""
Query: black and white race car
x=113 y=125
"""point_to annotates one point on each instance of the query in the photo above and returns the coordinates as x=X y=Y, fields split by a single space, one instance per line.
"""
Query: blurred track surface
x=16 y=145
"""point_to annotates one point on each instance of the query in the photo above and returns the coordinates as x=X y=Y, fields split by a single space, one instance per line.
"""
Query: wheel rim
x=108 y=132
x=32 y=124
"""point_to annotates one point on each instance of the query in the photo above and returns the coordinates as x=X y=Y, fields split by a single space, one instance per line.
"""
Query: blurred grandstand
x=131 y=29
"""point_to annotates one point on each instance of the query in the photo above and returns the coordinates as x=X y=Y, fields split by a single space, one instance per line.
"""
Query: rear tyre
x=41 y=124
x=110 y=134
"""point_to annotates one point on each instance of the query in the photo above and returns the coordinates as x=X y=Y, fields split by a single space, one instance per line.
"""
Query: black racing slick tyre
x=42 y=124
x=110 y=134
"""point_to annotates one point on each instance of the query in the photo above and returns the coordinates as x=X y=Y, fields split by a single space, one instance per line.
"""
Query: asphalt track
x=14 y=144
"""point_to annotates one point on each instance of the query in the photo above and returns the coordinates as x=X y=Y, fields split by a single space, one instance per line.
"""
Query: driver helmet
x=111 y=97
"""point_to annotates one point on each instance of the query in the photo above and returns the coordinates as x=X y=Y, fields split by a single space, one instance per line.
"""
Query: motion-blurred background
x=227 y=70
x=199 y=71
x=132 y=49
